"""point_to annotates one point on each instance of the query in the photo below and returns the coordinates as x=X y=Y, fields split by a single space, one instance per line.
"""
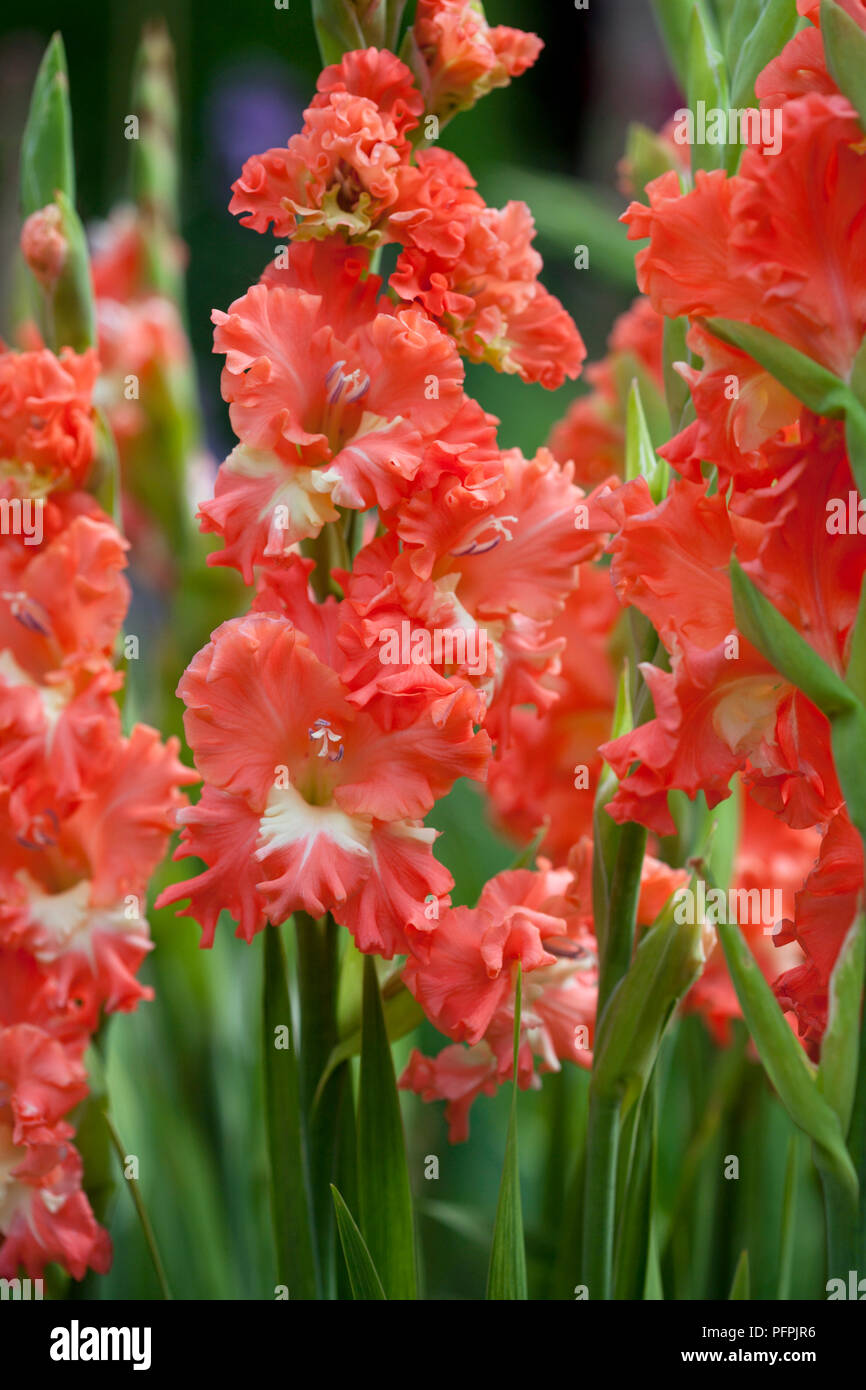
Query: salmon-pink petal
x=312 y=857
x=253 y=696
x=222 y=831
x=458 y=1075
x=398 y=906
x=398 y=773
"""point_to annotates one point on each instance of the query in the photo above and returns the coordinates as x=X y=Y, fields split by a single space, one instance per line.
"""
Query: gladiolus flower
x=46 y=425
x=465 y=982
x=463 y=57
x=307 y=797
x=330 y=413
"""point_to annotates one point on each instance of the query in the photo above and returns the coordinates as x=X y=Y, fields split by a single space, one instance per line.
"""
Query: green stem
x=330 y=551
x=318 y=953
x=141 y=1210
x=284 y=1129
x=841 y=1212
x=600 y=1200
x=789 y=1218
x=154 y=163
x=604 y=1113
x=624 y=893
x=636 y=1181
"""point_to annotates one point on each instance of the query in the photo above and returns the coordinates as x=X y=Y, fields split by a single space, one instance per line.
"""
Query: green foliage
x=385 y=1199
x=506 y=1277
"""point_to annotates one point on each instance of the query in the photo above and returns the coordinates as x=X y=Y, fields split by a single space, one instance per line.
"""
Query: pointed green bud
x=47 y=163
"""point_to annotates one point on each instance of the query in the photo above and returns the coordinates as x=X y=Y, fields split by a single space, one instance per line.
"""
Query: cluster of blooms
x=541 y=921
x=326 y=728
x=85 y=812
x=548 y=773
x=779 y=245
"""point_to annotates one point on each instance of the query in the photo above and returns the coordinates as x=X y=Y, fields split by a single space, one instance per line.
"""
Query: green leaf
x=47 y=162
x=338 y=29
x=140 y=1209
x=384 y=1196
x=845 y=52
x=394 y=9
x=403 y=1014
x=290 y=1201
x=785 y=1062
x=606 y=833
x=707 y=80
x=65 y=314
x=647 y=157
x=772 y=634
x=855 y=441
x=857 y=377
x=841 y=1212
x=848 y=739
x=677 y=393
x=317 y=957
x=720 y=1085
x=817 y=387
x=627 y=368
x=653 y=1290
x=667 y=961
x=789 y=1218
x=740 y=1286
x=634 y=1235
x=641 y=459
x=570 y=1223
x=737 y=21
x=840 y=1046
x=464 y=1222
x=616 y=932
x=506 y=1278
x=92 y=1137
x=363 y=1277
x=72 y=319
x=721 y=833
x=855 y=676
x=749 y=54
x=673 y=19
x=599 y=1201
x=768 y=630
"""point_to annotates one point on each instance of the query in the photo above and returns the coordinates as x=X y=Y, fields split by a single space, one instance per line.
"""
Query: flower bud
x=44 y=245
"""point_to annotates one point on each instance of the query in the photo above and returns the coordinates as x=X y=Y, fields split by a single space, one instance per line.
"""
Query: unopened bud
x=44 y=245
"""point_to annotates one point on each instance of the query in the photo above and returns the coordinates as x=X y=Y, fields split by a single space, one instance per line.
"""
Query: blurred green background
x=184 y=1073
